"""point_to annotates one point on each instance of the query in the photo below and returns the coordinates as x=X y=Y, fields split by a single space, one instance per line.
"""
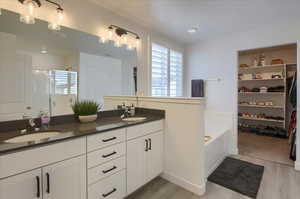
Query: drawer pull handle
x=109 y=193
x=109 y=139
x=150 y=144
x=108 y=170
x=107 y=155
x=147 y=148
x=38 y=193
x=48 y=183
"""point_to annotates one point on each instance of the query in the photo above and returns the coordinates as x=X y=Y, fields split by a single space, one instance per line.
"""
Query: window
x=166 y=71
x=175 y=73
x=63 y=82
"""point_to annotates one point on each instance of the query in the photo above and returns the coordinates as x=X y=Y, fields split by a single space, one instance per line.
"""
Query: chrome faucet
x=31 y=123
x=31 y=126
x=126 y=112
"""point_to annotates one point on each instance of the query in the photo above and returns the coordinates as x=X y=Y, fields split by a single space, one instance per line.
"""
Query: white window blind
x=159 y=70
x=175 y=73
x=166 y=71
x=63 y=82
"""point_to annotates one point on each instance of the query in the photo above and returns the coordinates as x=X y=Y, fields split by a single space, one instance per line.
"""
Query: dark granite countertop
x=71 y=130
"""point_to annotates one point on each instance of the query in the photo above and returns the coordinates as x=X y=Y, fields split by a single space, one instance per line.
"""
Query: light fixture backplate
x=37 y=2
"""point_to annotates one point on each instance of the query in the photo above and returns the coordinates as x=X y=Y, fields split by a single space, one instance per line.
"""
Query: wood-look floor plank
x=279 y=182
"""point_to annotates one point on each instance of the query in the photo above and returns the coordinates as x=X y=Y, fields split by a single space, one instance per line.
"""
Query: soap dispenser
x=45 y=119
x=132 y=110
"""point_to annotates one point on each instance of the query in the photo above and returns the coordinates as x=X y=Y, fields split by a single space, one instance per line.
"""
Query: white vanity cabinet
x=108 y=165
x=144 y=154
x=66 y=179
x=60 y=172
x=23 y=186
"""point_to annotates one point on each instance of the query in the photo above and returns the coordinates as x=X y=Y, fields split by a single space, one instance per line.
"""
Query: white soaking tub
x=218 y=128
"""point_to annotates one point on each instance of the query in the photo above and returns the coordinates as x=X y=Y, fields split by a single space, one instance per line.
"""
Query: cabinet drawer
x=107 y=169
x=102 y=140
x=104 y=155
x=112 y=187
x=144 y=129
x=26 y=160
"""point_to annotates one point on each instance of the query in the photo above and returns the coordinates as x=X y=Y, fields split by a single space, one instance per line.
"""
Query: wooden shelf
x=261 y=119
x=242 y=80
x=259 y=93
x=262 y=67
x=258 y=106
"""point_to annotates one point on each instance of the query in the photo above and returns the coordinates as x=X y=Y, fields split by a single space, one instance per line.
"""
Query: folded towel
x=197 y=88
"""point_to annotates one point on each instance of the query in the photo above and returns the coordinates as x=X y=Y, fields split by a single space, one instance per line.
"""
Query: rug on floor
x=237 y=175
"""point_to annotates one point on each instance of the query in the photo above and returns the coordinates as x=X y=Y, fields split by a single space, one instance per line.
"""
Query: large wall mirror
x=46 y=71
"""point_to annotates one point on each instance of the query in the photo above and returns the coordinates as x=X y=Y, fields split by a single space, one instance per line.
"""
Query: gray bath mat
x=237 y=175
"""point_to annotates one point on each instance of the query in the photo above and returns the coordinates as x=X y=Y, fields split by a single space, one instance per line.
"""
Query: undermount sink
x=134 y=119
x=33 y=137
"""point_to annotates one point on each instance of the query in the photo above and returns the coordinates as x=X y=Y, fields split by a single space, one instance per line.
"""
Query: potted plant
x=86 y=110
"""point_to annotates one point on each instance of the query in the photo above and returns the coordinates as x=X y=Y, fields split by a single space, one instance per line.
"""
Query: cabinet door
x=136 y=164
x=66 y=179
x=22 y=186
x=154 y=156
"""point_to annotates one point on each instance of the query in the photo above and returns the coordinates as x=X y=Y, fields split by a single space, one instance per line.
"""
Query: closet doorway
x=267 y=103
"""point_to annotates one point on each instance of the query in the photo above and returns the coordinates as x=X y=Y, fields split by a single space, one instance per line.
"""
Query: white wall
x=218 y=59
x=98 y=77
x=91 y=18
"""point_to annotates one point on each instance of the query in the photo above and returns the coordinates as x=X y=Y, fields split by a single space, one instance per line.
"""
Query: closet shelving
x=281 y=96
x=261 y=119
x=274 y=79
x=263 y=90
x=259 y=93
x=258 y=106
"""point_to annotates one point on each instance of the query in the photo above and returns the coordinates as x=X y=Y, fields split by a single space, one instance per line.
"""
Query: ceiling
x=213 y=17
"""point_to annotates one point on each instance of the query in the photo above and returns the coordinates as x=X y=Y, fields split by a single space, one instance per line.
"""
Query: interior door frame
x=235 y=150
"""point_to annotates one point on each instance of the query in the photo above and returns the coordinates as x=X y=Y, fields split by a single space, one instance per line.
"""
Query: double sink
x=35 y=137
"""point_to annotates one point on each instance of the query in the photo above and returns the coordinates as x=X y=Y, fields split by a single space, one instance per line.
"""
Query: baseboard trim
x=234 y=151
x=216 y=164
x=196 y=189
x=297 y=165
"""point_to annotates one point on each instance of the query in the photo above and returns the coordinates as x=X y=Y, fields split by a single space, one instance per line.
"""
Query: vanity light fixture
x=121 y=37
x=28 y=15
x=57 y=18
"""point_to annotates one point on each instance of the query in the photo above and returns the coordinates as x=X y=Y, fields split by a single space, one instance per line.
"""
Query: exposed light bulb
x=102 y=39
x=137 y=42
x=117 y=42
x=110 y=34
x=130 y=47
x=124 y=39
x=28 y=16
x=55 y=24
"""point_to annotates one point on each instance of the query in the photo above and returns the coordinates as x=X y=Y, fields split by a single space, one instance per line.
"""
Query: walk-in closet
x=267 y=90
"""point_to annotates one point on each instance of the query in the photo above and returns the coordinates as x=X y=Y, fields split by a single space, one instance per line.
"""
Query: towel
x=197 y=88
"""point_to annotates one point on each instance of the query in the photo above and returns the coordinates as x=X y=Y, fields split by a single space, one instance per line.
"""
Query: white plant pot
x=88 y=118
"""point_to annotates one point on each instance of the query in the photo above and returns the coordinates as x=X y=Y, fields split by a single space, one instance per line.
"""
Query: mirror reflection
x=46 y=71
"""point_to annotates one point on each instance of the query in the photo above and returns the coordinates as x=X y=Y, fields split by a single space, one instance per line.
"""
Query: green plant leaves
x=86 y=107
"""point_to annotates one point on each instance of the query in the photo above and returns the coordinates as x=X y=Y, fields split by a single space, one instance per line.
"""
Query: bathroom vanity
x=107 y=159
